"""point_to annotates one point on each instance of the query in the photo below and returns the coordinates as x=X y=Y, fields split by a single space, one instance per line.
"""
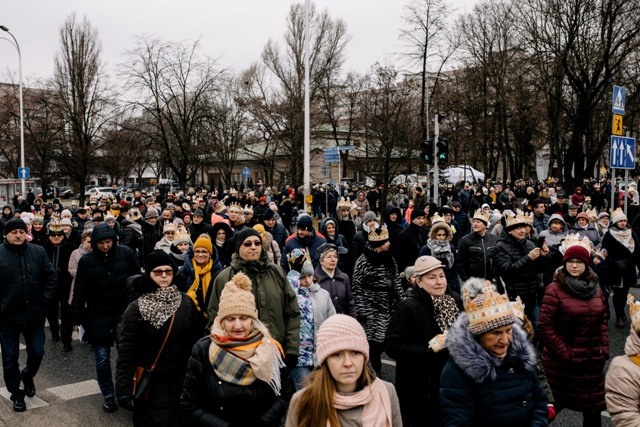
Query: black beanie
x=416 y=213
x=14 y=224
x=242 y=235
x=268 y=214
x=158 y=258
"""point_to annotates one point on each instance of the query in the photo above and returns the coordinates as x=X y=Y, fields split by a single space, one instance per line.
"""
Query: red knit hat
x=577 y=252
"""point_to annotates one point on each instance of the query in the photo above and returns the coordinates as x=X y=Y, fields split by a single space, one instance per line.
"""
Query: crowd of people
x=246 y=310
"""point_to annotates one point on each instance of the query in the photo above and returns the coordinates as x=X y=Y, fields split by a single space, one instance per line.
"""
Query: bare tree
x=83 y=101
x=170 y=84
x=276 y=89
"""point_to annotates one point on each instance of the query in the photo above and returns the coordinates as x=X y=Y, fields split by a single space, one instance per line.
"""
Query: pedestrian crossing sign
x=616 y=125
x=619 y=98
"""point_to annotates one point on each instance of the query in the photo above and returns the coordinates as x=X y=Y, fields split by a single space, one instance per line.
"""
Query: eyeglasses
x=252 y=243
x=203 y=252
x=160 y=271
x=575 y=262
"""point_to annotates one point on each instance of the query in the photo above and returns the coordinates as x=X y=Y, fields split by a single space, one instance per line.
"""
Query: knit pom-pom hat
x=236 y=298
x=338 y=333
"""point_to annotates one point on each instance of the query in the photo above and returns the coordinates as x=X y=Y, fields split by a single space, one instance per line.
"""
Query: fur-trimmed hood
x=475 y=361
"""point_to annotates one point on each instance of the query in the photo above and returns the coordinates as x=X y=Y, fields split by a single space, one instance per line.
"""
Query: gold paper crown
x=518 y=308
x=55 y=216
x=576 y=239
x=220 y=207
x=634 y=311
x=480 y=215
x=488 y=310
x=344 y=203
x=235 y=206
x=39 y=218
x=55 y=227
x=518 y=218
x=591 y=213
x=182 y=234
x=379 y=234
x=248 y=208
x=168 y=226
x=436 y=218
x=602 y=253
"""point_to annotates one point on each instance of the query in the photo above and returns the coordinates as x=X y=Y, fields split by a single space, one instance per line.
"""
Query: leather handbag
x=142 y=375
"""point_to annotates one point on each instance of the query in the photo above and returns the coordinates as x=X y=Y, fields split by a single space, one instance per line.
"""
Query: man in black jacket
x=100 y=296
x=28 y=285
x=475 y=251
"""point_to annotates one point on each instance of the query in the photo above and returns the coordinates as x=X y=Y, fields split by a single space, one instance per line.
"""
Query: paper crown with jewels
x=168 y=226
x=486 y=309
x=592 y=214
x=576 y=239
x=220 y=207
x=182 y=235
x=235 y=207
x=55 y=227
x=344 y=203
x=518 y=308
x=39 y=218
x=436 y=218
x=480 y=215
x=518 y=218
x=634 y=311
x=248 y=209
x=379 y=234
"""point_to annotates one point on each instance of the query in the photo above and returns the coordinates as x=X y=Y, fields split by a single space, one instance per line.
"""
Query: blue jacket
x=478 y=389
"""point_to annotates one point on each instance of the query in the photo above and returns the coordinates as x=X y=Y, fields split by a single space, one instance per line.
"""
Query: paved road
x=68 y=395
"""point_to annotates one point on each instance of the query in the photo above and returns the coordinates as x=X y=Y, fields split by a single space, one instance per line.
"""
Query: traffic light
x=427 y=151
x=443 y=151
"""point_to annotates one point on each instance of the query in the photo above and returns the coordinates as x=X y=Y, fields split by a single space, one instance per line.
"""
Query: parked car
x=99 y=192
x=65 y=192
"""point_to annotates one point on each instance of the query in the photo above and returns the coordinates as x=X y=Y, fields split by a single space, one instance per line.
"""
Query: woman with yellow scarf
x=199 y=270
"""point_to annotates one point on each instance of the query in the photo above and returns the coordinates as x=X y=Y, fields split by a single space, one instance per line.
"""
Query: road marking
x=32 y=402
x=76 y=390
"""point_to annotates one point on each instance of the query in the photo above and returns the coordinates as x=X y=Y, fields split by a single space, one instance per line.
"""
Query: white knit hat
x=340 y=332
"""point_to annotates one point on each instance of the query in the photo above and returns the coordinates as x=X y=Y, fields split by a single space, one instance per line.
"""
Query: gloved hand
x=126 y=402
x=551 y=412
x=438 y=343
x=291 y=360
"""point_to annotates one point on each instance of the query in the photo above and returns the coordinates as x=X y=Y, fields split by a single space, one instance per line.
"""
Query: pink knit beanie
x=340 y=332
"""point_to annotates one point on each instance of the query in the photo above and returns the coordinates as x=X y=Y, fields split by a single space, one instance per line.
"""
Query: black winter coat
x=139 y=345
x=209 y=401
x=101 y=285
x=339 y=288
x=411 y=327
x=59 y=257
x=410 y=241
x=28 y=284
x=518 y=272
x=475 y=254
x=621 y=262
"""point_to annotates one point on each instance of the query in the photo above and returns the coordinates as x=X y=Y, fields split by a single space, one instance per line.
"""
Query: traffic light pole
x=436 y=172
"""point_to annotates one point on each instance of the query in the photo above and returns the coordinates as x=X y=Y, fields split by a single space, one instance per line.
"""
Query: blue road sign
x=246 y=172
x=332 y=157
x=619 y=99
x=328 y=150
x=24 y=173
x=346 y=148
x=622 y=154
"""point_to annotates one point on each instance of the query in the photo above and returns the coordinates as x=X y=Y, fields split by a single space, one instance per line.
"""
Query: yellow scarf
x=201 y=281
x=635 y=359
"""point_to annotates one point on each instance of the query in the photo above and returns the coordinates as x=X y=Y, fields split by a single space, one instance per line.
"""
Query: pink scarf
x=375 y=402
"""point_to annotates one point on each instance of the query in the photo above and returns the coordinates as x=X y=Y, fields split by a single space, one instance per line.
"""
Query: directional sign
x=619 y=99
x=24 y=173
x=616 y=125
x=246 y=172
x=623 y=153
x=331 y=157
x=346 y=148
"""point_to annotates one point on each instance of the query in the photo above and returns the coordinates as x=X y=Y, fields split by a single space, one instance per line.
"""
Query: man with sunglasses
x=275 y=299
x=100 y=296
x=28 y=285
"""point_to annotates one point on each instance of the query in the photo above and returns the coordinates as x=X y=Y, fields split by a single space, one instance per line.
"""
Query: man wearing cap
x=475 y=251
x=560 y=205
x=28 y=285
x=276 y=301
x=100 y=298
x=198 y=226
x=305 y=238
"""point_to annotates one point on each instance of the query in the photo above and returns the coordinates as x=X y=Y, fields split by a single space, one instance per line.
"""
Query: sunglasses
x=249 y=244
x=170 y=233
x=160 y=271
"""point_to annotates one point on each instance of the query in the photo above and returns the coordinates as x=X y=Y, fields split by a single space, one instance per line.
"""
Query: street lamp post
x=17 y=46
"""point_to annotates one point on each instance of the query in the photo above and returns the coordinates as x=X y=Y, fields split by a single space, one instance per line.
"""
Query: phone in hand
x=540 y=242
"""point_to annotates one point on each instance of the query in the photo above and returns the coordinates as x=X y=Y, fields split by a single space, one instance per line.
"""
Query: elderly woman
x=415 y=339
x=333 y=280
x=573 y=330
x=623 y=248
x=236 y=376
x=161 y=312
x=490 y=377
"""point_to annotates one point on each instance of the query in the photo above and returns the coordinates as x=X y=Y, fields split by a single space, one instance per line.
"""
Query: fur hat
x=204 y=241
x=425 y=264
x=338 y=333
x=14 y=224
x=236 y=298
x=618 y=215
x=305 y=223
x=486 y=308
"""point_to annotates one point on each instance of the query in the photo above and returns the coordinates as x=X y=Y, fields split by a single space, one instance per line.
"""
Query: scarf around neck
x=242 y=361
x=198 y=290
x=623 y=237
x=441 y=249
x=158 y=306
x=445 y=311
x=580 y=288
x=375 y=402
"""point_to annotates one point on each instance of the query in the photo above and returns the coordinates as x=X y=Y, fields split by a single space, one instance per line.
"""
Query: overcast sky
x=233 y=30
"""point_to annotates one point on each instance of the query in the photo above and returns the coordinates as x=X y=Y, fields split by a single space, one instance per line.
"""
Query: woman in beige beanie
x=344 y=390
x=236 y=376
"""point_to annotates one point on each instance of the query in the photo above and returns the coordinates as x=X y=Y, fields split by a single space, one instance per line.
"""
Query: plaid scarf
x=242 y=361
